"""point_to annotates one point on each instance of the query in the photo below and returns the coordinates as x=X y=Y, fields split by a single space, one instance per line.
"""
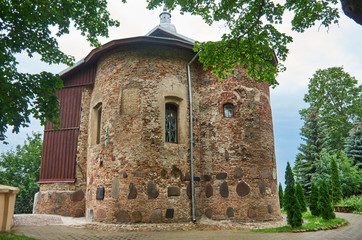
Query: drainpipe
x=191 y=139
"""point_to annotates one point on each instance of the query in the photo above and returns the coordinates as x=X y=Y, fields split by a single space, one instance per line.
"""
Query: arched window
x=98 y=111
x=171 y=123
x=228 y=109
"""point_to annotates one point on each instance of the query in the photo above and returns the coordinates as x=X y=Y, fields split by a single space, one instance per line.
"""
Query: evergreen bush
x=324 y=202
x=301 y=198
x=313 y=200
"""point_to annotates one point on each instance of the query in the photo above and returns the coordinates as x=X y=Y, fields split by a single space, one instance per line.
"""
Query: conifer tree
x=354 y=145
x=301 y=198
x=336 y=183
x=294 y=215
x=324 y=202
x=313 y=200
x=312 y=133
x=281 y=199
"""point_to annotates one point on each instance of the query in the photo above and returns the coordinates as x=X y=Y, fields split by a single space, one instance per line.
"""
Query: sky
x=316 y=48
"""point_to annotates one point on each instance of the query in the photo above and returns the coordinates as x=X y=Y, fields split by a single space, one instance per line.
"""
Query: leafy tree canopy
x=253 y=40
x=21 y=168
x=25 y=27
x=337 y=98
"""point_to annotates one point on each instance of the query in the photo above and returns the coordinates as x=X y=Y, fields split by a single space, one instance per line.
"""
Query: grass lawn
x=313 y=222
x=13 y=236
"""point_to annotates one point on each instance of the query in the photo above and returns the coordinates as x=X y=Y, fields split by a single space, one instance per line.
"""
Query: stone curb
x=321 y=228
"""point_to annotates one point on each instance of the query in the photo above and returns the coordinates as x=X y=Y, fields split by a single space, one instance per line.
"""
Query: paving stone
x=122 y=216
x=242 y=189
x=173 y=191
x=152 y=190
x=209 y=190
x=132 y=191
x=224 y=190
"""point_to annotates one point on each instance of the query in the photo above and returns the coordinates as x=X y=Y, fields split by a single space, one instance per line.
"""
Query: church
x=148 y=135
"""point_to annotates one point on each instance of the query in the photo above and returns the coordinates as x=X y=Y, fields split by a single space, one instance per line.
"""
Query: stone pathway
x=61 y=232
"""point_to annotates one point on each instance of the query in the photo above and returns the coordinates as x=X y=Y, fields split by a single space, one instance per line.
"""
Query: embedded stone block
x=208 y=213
x=270 y=209
x=206 y=177
x=152 y=190
x=115 y=191
x=77 y=196
x=209 y=191
x=122 y=216
x=137 y=217
x=173 y=191
x=156 y=216
x=170 y=213
x=238 y=172
x=251 y=213
x=265 y=173
x=224 y=190
x=132 y=191
x=262 y=187
x=100 y=193
x=242 y=189
x=230 y=212
x=221 y=175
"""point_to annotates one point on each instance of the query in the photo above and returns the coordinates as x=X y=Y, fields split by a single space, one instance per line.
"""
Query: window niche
x=228 y=110
x=96 y=124
x=171 y=125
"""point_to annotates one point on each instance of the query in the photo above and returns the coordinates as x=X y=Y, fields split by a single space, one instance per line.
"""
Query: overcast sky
x=317 y=48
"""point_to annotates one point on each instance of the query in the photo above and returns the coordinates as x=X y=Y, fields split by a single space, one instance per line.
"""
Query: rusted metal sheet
x=58 y=157
x=70 y=102
x=81 y=77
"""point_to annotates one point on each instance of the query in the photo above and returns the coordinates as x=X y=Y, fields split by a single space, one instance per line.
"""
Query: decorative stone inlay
x=242 y=189
x=100 y=193
x=251 y=213
x=164 y=174
x=224 y=190
x=187 y=177
x=221 y=175
x=198 y=212
x=152 y=190
x=208 y=213
x=262 y=187
x=226 y=155
x=77 y=196
x=170 y=212
x=206 y=177
x=197 y=179
x=122 y=216
x=101 y=213
x=173 y=191
x=253 y=172
x=209 y=191
x=137 y=217
x=132 y=191
x=265 y=173
x=238 y=173
x=156 y=216
x=125 y=175
x=115 y=191
x=230 y=212
x=188 y=190
x=270 y=209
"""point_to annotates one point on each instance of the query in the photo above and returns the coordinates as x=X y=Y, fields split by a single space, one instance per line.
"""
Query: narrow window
x=171 y=123
x=99 y=122
x=228 y=110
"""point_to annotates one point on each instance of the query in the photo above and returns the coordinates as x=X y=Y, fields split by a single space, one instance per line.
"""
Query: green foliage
x=354 y=202
x=21 y=168
x=280 y=193
x=337 y=98
x=322 y=168
x=13 y=236
x=253 y=40
x=291 y=204
x=25 y=26
x=314 y=137
x=335 y=183
x=354 y=145
x=324 y=202
x=301 y=198
x=313 y=223
x=313 y=200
